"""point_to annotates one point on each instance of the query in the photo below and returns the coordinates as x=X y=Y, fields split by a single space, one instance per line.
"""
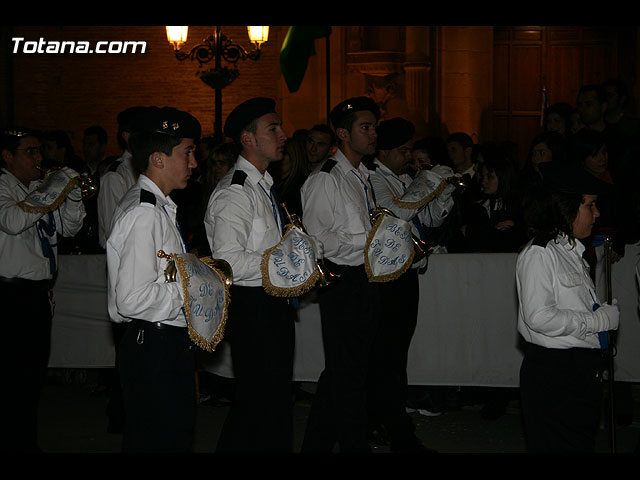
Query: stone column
x=417 y=68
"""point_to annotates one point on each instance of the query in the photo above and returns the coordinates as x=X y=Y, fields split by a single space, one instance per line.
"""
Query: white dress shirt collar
x=253 y=173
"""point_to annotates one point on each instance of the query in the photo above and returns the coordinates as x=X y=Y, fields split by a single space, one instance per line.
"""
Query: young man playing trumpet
x=28 y=239
x=399 y=297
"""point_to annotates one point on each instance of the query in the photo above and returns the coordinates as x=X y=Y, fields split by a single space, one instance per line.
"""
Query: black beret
x=567 y=178
x=351 y=105
x=167 y=120
x=394 y=132
x=127 y=117
x=247 y=112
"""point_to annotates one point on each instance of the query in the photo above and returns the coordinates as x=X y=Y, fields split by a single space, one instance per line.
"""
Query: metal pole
x=612 y=410
x=217 y=127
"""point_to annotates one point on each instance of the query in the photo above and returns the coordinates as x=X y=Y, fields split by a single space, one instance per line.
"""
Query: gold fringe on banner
x=419 y=203
x=280 y=291
x=208 y=344
x=390 y=276
x=53 y=205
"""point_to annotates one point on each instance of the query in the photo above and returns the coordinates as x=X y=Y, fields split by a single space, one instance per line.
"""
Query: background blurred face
x=597 y=164
x=490 y=182
x=220 y=169
x=92 y=149
x=589 y=108
x=421 y=159
x=555 y=123
x=318 y=146
x=540 y=154
x=24 y=163
x=586 y=217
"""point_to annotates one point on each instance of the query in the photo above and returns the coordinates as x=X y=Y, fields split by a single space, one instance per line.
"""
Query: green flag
x=298 y=46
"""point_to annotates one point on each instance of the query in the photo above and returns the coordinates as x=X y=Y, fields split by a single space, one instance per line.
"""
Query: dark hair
x=562 y=109
x=554 y=141
x=322 y=128
x=143 y=144
x=460 y=138
x=98 y=131
x=587 y=142
x=226 y=152
x=347 y=121
x=551 y=211
x=598 y=89
x=435 y=147
x=495 y=161
x=619 y=85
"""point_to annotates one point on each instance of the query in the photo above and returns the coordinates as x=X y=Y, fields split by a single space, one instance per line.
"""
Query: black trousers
x=388 y=375
x=349 y=310
x=157 y=374
x=561 y=396
x=26 y=344
x=261 y=332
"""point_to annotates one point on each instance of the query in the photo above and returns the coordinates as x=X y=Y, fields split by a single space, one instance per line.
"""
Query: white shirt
x=20 y=246
x=144 y=223
x=336 y=201
x=556 y=295
x=113 y=185
x=240 y=221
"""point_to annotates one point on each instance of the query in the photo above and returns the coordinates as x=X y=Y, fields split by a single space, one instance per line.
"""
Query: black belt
x=26 y=283
x=158 y=326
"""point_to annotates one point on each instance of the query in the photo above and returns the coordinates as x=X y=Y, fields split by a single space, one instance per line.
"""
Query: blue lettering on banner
x=288 y=264
x=384 y=251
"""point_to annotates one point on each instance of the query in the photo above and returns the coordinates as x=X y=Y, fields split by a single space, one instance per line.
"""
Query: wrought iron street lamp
x=218 y=47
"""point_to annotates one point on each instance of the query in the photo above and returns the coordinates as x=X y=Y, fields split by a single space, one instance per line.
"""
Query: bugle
x=87 y=184
x=421 y=249
x=325 y=276
x=222 y=266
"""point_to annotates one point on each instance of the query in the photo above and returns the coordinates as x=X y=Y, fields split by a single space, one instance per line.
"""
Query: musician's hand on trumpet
x=86 y=187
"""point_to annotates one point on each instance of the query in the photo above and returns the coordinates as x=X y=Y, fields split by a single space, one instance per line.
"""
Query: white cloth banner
x=51 y=193
x=389 y=249
x=290 y=269
x=425 y=187
x=206 y=298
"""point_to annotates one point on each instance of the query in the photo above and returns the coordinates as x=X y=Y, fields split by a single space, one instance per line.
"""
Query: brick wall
x=73 y=91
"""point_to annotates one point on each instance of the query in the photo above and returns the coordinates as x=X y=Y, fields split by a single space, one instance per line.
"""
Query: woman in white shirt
x=561 y=318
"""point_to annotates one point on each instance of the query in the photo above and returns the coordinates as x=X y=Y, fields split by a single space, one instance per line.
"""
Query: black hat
x=166 y=120
x=394 y=133
x=351 y=105
x=567 y=178
x=127 y=116
x=247 y=112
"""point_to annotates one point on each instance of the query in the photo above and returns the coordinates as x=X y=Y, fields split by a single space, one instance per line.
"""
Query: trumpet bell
x=460 y=183
x=88 y=186
x=223 y=267
x=326 y=277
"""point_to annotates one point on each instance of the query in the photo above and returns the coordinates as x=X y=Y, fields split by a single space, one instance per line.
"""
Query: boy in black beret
x=156 y=356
